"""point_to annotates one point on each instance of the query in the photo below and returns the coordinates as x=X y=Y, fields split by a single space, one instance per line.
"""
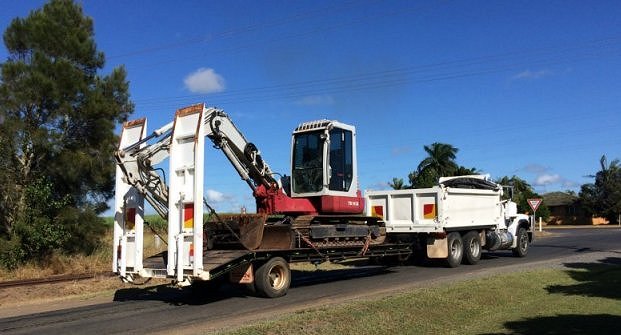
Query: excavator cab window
x=341 y=167
x=307 y=173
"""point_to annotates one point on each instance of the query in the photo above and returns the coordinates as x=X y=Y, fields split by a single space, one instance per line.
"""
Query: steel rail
x=52 y=279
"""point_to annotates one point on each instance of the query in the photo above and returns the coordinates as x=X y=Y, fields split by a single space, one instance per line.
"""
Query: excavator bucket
x=277 y=237
x=251 y=230
x=247 y=231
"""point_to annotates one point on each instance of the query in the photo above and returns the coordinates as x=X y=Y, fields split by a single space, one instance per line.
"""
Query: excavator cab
x=323 y=160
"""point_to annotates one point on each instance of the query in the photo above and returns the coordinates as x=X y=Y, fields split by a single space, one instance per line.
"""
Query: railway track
x=53 y=279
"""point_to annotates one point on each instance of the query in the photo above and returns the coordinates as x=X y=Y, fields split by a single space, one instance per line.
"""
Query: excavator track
x=340 y=230
x=257 y=232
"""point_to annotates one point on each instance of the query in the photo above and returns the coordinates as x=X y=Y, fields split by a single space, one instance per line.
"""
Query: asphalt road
x=164 y=309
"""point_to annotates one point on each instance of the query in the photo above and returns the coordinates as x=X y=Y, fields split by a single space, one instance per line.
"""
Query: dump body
x=454 y=220
x=436 y=209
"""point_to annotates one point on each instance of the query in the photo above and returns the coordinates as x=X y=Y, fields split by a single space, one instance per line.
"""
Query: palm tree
x=397 y=184
x=464 y=171
x=607 y=200
x=607 y=169
x=519 y=185
x=440 y=160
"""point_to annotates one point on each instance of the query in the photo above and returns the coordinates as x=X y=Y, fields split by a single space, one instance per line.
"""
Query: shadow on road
x=198 y=295
x=305 y=278
x=210 y=292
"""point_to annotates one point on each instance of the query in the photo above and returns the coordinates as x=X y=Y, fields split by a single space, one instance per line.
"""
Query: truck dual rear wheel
x=522 y=243
x=455 y=249
x=273 y=278
x=472 y=248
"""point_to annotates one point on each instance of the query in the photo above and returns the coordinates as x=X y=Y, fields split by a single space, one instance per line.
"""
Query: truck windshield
x=307 y=172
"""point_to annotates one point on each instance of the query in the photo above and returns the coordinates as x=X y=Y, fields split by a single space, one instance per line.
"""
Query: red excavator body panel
x=275 y=201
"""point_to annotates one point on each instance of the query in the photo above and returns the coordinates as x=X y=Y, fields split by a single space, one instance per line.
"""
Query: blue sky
x=527 y=88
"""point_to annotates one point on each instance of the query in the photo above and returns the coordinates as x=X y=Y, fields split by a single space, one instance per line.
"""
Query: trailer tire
x=455 y=249
x=472 y=248
x=522 y=243
x=273 y=278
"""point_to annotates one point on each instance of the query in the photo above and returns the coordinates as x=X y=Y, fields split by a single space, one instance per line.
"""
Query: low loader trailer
x=317 y=214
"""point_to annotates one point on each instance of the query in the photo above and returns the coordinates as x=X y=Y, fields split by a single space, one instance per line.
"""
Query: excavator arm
x=243 y=155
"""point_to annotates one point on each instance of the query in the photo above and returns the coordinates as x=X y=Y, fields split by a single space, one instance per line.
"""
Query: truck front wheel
x=455 y=249
x=472 y=248
x=522 y=243
x=273 y=278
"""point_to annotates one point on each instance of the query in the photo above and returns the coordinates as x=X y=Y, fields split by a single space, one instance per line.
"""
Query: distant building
x=565 y=210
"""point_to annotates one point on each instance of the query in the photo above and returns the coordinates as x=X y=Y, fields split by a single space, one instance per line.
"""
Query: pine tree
x=57 y=121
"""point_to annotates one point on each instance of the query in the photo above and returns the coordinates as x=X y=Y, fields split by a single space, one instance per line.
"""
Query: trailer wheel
x=472 y=248
x=522 y=243
x=273 y=278
x=455 y=249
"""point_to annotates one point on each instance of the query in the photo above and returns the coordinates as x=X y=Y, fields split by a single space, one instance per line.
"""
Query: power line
x=315 y=30
x=232 y=32
x=435 y=71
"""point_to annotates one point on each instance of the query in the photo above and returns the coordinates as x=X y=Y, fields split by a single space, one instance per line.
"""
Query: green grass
x=583 y=300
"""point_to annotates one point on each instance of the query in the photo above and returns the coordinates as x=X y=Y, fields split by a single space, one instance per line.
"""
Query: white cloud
x=315 y=100
x=528 y=74
x=546 y=179
x=216 y=197
x=204 y=80
x=544 y=176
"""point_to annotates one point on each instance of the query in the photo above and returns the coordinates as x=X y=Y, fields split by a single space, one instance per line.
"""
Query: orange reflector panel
x=429 y=211
x=191 y=252
x=377 y=211
x=188 y=216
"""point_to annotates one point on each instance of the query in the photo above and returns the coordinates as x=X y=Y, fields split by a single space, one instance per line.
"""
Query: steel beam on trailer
x=129 y=209
x=185 y=202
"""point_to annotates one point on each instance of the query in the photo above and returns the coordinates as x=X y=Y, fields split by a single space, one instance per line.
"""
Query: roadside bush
x=11 y=253
x=49 y=227
x=84 y=229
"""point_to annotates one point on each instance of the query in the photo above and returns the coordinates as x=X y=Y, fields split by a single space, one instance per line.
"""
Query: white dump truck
x=455 y=220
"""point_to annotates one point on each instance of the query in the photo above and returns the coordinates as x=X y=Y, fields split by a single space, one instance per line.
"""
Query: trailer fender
x=437 y=246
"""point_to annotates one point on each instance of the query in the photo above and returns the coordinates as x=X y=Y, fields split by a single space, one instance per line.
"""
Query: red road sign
x=534 y=203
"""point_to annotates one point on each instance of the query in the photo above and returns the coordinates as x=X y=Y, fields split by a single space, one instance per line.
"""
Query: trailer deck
x=219 y=262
